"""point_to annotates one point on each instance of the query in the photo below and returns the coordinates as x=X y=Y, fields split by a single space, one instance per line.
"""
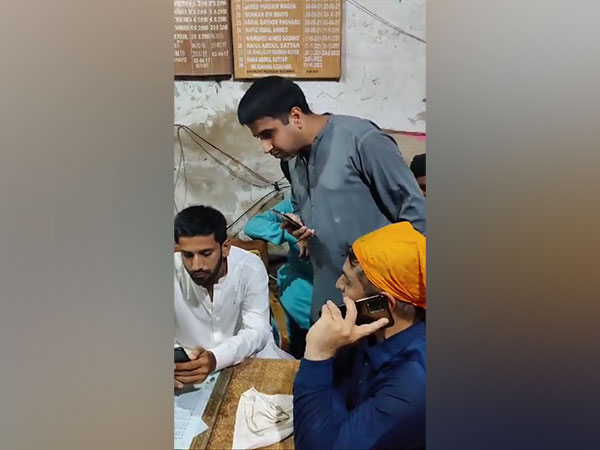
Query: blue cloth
x=371 y=395
x=294 y=278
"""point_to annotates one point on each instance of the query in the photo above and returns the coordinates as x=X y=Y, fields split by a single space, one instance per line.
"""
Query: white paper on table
x=189 y=407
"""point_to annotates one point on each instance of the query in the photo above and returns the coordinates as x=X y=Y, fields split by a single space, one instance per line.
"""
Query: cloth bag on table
x=262 y=420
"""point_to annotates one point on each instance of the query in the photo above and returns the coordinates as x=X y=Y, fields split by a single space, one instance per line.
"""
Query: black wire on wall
x=203 y=143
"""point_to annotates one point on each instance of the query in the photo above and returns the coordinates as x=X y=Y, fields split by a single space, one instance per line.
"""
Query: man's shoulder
x=407 y=371
x=177 y=262
x=245 y=261
x=354 y=125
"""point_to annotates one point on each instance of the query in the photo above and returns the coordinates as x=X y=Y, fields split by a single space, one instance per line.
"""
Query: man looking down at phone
x=370 y=394
x=221 y=298
x=348 y=177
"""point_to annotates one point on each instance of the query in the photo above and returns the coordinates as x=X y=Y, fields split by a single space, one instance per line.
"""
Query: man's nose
x=197 y=263
x=338 y=284
x=267 y=145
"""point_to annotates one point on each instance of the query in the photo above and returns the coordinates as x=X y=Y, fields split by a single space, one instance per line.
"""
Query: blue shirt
x=371 y=395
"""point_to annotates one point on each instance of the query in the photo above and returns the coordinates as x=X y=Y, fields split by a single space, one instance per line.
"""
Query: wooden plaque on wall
x=291 y=38
x=202 y=38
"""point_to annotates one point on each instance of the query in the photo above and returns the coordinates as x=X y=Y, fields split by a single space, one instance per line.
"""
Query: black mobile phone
x=180 y=355
x=288 y=220
x=371 y=309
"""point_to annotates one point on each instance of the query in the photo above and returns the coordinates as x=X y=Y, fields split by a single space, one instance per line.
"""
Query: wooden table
x=269 y=376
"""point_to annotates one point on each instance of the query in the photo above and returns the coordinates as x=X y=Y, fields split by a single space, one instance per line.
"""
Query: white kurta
x=236 y=323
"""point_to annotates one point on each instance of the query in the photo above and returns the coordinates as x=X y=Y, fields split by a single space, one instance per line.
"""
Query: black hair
x=417 y=166
x=271 y=97
x=200 y=221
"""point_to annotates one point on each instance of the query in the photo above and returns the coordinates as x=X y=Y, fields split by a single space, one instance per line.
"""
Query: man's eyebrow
x=268 y=130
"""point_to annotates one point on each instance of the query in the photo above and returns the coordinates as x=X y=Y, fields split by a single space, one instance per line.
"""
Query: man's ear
x=390 y=299
x=296 y=117
x=226 y=247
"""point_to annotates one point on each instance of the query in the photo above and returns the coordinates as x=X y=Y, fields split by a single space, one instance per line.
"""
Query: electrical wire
x=385 y=22
x=229 y=169
x=254 y=205
x=181 y=170
x=195 y=137
x=181 y=166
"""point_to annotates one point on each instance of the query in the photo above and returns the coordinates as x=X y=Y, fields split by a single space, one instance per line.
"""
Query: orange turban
x=393 y=259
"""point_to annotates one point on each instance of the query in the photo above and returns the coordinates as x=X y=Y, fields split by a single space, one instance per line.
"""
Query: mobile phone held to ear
x=371 y=309
x=180 y=355
x=288 y=220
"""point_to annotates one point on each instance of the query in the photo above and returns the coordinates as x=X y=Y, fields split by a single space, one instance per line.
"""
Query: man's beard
x=206 y=279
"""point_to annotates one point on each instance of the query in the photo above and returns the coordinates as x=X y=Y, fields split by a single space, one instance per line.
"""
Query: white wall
x=383 y=73
x=383 y=79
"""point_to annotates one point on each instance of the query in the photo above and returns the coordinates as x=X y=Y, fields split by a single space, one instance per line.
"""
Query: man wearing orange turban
x=363 y=386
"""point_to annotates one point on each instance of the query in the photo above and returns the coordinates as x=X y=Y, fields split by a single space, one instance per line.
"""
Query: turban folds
x=393 y=259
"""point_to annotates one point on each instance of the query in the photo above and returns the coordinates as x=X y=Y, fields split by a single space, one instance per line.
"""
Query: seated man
x=294 y=278
x=221 y=298
x=371 y=394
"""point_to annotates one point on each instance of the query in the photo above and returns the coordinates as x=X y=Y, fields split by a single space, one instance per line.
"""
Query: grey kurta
x=353 y=181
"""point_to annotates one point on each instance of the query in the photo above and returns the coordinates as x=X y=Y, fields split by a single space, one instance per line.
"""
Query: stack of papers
x=190 y=404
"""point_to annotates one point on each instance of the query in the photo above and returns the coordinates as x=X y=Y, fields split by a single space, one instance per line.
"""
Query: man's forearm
x=239 y=347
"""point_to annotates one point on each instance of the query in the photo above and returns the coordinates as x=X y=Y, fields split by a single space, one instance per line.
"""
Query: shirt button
x=359 y=381
x=366 y=364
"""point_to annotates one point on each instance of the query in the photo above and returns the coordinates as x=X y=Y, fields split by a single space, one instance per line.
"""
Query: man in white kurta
x=221 y=298
x=236 y=324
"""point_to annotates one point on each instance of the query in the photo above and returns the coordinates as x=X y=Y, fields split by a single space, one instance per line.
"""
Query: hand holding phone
x=195 y=367
x=296 y=228
x=370 y=309
x=288 y=221
x=335 y=330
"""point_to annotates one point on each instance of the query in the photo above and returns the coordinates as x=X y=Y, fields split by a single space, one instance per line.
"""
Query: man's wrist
x=213 y=361
x=314 y=353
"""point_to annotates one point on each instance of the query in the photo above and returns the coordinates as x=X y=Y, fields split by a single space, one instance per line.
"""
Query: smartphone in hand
x=288 y=221
x=180 y=355
x=370 y=309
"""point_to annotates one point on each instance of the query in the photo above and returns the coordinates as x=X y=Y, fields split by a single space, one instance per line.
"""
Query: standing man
x=348 y=177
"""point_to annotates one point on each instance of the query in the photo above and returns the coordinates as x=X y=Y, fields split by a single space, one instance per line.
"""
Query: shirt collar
x=382 y=352
x=322 y=132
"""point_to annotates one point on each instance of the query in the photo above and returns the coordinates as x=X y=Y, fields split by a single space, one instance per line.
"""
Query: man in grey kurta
x=348 y=177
